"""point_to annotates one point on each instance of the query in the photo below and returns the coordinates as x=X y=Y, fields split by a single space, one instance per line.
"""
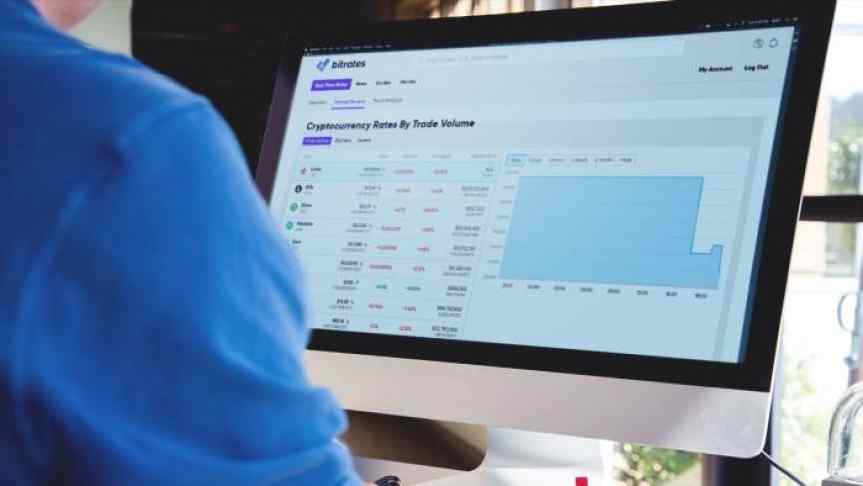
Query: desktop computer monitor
x=576 y=222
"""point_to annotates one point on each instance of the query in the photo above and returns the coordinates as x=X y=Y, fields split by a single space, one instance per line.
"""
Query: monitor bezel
x=764 y=308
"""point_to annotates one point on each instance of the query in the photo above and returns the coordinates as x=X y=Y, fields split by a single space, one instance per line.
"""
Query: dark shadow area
x=228 y=50
x=416 y=441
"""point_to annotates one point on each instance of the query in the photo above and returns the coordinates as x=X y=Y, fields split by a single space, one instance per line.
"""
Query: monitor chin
x=708 y=420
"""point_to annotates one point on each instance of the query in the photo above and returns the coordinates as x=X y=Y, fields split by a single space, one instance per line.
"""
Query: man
x=151 y=327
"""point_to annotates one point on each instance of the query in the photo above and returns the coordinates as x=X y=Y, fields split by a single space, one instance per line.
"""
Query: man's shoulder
x=123 y=89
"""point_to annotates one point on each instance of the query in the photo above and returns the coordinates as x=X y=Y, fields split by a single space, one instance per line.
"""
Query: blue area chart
x=609 y=230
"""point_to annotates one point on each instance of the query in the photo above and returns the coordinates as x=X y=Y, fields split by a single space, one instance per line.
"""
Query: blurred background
x=228 y=51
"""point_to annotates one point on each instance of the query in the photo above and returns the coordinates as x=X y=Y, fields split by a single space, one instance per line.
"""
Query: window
x=458 y=8
x=826 y=263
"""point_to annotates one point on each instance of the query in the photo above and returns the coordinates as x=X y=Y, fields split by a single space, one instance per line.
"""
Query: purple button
x=318 y=141
x=331 y=84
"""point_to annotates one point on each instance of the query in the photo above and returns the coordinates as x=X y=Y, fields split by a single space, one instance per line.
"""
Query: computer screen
x=597 y=195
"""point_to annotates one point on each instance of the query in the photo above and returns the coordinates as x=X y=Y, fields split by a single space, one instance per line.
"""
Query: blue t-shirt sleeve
x=175 y=353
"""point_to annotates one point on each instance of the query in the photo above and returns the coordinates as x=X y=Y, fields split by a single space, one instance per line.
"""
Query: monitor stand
x=432 y=453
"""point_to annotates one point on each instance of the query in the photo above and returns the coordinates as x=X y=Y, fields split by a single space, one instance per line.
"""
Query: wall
x=109 y=27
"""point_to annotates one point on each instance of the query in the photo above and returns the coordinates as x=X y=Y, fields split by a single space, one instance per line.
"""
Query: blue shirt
x=151 y=326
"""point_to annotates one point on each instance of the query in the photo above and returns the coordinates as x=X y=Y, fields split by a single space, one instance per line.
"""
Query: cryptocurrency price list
x=391 y=246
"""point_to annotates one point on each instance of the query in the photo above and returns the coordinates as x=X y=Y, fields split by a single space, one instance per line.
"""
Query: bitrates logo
x=334 y=65
x=348 y=64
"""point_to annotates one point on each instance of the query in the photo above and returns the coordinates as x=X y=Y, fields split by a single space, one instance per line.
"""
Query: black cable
x=784 y=471
x=388 y=481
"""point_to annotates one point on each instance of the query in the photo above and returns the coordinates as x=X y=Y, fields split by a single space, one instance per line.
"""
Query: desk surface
x=413 y=475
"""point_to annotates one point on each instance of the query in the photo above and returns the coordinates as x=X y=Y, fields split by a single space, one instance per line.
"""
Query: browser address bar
x=558 y=52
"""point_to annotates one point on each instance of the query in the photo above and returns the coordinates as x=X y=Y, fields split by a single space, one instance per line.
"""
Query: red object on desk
x=580 y=481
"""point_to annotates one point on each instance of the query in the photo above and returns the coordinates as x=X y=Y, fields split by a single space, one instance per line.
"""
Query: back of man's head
x=65 y=14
